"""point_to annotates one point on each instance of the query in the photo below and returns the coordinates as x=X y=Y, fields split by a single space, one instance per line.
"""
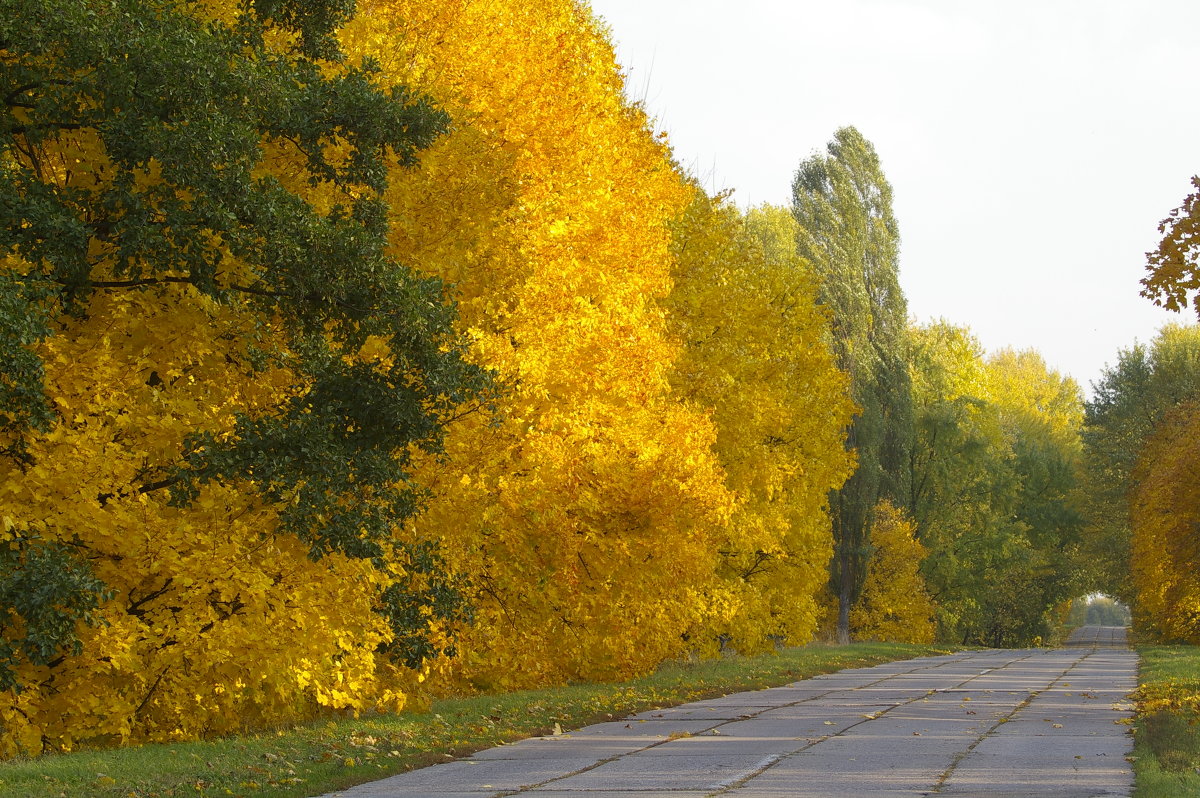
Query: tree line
x=356 y=353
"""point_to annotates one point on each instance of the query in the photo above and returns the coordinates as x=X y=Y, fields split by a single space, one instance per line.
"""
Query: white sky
x=1032 y=145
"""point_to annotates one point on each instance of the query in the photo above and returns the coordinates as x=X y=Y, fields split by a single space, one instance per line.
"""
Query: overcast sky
x=1033 y=145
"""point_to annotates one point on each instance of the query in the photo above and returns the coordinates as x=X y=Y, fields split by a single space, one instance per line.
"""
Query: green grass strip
x=1166 y=750
x=322 y=757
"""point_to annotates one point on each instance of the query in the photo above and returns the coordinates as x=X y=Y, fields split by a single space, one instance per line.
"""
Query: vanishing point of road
x=1030 y=722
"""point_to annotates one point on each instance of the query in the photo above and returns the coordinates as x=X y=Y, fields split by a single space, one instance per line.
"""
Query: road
x=994 y=724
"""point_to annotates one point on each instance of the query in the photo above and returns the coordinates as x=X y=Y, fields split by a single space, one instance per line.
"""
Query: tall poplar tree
x=843 y=204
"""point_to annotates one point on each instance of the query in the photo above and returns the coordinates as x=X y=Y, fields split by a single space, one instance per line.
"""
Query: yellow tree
x=894 y=604
x=587 y=507
x=214 y=378
x=755 y=355
x=1163 y=512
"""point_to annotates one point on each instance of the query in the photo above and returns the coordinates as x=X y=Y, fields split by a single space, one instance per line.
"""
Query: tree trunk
x=843 y=621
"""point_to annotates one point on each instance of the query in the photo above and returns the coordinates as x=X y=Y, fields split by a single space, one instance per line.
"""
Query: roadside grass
x=1167 y=731
x=322 y=757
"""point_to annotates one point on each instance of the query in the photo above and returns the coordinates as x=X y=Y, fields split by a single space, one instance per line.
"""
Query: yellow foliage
x=586 y=508
x=215 y=623
x=1023 y=383
x=1165 y=512
x=894 y=604
x=755 y=357
x=654 y=473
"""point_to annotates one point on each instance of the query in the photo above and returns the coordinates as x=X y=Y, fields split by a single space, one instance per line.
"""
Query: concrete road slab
x=633 y=774
x=808 y=720
x=549 y=793
x=847 y=767
x=554 y=748
x=991 y=723
x=486 y=776
x=697 y=712
x=1085 y=777
x=712 y=745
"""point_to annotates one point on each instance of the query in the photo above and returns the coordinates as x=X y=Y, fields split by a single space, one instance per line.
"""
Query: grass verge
x=319 y=758
x=1167 y=731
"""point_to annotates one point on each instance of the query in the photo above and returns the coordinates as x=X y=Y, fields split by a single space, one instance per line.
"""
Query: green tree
x=962 y=481
x=843 y=205
x=993 y=488
x=148 y=145
x=1041 y=413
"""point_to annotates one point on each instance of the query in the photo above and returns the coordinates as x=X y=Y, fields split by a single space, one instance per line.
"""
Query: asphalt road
x=1036 y=722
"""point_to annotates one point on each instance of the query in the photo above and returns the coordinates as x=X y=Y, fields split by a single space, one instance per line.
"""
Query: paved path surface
x=990 y=724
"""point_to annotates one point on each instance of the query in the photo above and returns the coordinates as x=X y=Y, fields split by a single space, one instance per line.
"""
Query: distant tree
x=962 y=480
x=843 y=205
x=1041 y=413
x=1104 y=611
x=994 y=468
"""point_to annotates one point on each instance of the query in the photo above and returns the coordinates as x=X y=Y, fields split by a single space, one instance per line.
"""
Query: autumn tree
x=894 y=604
x=843 y=205
x=755 y=352
x=1174 y=267
x=1128 y=401
x=214 y=377
x=588 y=506
x=1041 y=412
x=1163 y=508
x=962 y=482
